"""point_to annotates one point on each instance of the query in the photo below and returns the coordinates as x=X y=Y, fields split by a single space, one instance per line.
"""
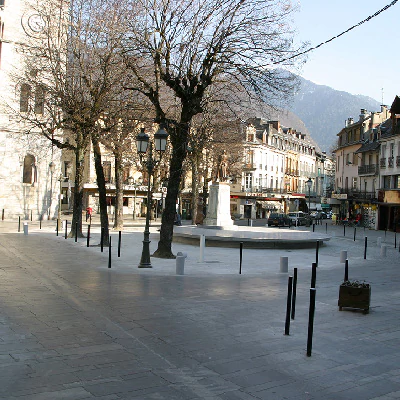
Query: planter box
x=354 y=297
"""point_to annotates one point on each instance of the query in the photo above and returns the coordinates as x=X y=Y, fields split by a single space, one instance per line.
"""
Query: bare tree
x=180 y=49
x=74 y=58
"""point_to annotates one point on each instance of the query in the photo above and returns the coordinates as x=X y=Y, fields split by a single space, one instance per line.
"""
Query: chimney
x=350 y=121
x=362 y=114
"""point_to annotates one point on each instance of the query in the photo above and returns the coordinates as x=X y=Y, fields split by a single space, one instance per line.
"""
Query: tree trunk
x=167 y=223
x=78 y=193
x=119 y=194
x=101 y=185
x=195 y=187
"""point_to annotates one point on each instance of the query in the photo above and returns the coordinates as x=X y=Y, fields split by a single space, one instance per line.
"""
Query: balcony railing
x=398 y=161
x=382 y=162
x=372 y=169
x=358 y=194
x=391 y=162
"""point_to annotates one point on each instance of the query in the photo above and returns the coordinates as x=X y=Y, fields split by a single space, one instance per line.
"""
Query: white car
x=298 y=218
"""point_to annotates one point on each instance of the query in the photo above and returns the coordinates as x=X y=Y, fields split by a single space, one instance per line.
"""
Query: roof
x=368 y=147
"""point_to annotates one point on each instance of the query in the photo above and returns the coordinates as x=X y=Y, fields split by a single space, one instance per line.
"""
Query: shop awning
x=269 y=205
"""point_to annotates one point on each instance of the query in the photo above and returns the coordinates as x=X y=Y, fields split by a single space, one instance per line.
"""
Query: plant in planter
x=355 y=294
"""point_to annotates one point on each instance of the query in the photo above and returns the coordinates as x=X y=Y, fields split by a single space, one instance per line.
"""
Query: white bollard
x=343 y=256
x=25 y=228
x=251 y=222
x=379 y=242
x=383 y=250
x=202 y=247
x=180 y=263
x=284 y=264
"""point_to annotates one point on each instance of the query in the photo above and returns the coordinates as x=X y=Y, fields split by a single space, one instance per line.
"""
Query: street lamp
x=309 y=184
x=60 y=179
x=142 y=143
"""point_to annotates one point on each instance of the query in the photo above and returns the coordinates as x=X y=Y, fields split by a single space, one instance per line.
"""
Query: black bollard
x=311 y=313
x=346 y=270
x=326 y=227
x=102 y=239
x=88 y=236
x=119 y=243
x=354 y=239
x=288 y=304
x=313 y=227
x=365 y=247
x=66 y=229
x=2 y=215
x=294 y=292
x=316 y=253
x=19 y=224
x=313 y=274
x=344 y=229
x=57 y=228
x=40 y=221
x=32 y=216
x=109 y=253
x=76 y=232
x=240 y=258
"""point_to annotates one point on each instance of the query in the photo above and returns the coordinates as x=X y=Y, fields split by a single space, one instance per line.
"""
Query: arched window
x=29 y=174
x=39 y=100
x=24 y=97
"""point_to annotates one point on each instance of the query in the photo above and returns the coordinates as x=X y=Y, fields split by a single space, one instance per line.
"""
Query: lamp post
x=60 y=179
x=142 y=143
x=309 y=184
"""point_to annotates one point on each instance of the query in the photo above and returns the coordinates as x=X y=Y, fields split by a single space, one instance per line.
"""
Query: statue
x=222 y=174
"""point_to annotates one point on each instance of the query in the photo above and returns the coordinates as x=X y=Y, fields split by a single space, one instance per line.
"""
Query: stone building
x=30 y=166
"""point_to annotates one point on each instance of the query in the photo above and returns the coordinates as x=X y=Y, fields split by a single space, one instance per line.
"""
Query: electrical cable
x=340 y=34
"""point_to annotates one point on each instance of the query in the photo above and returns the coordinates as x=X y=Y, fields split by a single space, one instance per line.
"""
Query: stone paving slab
x=71 y=328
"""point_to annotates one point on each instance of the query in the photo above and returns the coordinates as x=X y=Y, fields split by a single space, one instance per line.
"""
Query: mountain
x=324 y=110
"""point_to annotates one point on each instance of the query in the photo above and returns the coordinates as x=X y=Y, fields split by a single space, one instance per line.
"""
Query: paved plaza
x=72 y=328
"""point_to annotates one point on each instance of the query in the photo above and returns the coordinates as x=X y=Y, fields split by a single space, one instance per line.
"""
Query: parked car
x=298 y=218
x=279 y=219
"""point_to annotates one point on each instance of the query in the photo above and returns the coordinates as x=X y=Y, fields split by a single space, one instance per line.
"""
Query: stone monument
x=219 y=203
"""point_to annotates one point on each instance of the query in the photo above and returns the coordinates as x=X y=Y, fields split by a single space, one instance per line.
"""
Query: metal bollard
x=180 y=263
x=354 y=238
x=365 y=247
x=25 y=228
x=119 y=243
x=284 y=264
x=88 y=236
x=109 y=253
x=294 y=292
x=343 y=256
x=317 y=253
x=346 y=271
x=311 y=313
x=313 y=274
x=288 y=305
x=240 y=257
x=383 y=250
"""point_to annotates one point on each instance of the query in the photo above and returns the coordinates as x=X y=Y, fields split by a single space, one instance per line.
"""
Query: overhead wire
x=340 y=34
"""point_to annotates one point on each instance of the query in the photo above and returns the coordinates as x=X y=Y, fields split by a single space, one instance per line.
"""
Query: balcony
x=249 y=166
x=372 y=169
x=382 y=162
x=391 y=162
x=359 y=195
x=398 y=161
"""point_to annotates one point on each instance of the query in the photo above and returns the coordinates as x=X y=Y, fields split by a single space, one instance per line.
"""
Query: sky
x=364 y=60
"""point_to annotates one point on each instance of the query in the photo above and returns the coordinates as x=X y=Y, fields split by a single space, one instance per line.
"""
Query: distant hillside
x=324 y=110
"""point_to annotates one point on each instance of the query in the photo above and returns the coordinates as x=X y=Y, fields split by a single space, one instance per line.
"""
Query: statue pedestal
x=219 y=206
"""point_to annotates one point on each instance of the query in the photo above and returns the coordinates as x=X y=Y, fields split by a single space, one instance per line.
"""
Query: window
x=107 y=171
x=29 y=172
x=248 y=181
x=354 y=185
x=386 y=182
x=2 y=3
x=24 y=97
x=39 y=100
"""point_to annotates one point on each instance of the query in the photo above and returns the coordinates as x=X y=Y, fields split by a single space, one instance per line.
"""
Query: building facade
x=29 y=177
